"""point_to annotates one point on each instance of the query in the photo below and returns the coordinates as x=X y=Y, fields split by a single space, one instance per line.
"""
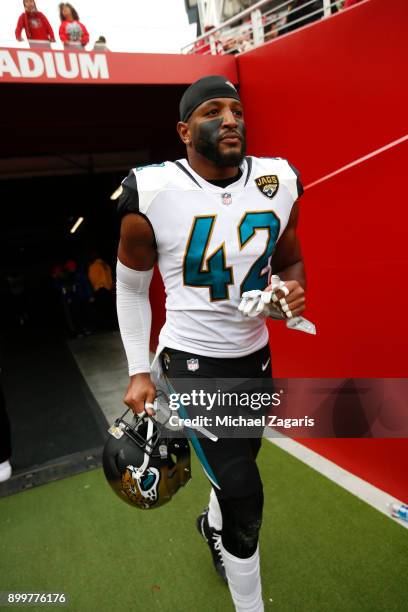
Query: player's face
x=218 y=131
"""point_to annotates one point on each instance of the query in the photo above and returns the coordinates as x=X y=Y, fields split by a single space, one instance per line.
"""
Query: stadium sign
x=52 y=65
x=78 y=67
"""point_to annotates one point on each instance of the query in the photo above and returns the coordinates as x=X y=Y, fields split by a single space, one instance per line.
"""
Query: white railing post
x=201 y=15
x=209 y=12
x=213 y=46
x=257 y=27
x=326 y=7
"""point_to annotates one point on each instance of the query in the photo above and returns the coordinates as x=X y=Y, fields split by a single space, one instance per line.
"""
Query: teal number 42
x=201 y=270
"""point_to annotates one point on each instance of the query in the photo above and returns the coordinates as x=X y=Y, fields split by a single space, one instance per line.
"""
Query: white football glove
x=256 y=302
x=249 y=303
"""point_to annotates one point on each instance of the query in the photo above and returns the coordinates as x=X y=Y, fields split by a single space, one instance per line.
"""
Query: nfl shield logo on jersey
x=192 y=365
x=226 y=199
x=268 y=185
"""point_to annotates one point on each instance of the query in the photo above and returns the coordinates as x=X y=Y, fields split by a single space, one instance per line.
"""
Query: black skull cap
x=205 y=89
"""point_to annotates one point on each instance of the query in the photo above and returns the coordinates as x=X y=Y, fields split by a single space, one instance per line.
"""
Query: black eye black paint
x=206 y=142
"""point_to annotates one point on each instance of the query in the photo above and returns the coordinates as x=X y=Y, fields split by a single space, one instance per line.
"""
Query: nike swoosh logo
x=265 y=365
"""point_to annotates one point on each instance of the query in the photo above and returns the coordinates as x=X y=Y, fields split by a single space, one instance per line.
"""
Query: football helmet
x=144 y=463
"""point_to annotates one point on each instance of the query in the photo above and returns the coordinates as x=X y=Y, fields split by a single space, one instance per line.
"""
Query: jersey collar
x=245 y=167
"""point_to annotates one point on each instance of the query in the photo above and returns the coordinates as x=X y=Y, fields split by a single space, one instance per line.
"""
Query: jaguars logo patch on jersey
x=268 y=185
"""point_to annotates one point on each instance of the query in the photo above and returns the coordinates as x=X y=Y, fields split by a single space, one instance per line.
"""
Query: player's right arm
x=136 y=257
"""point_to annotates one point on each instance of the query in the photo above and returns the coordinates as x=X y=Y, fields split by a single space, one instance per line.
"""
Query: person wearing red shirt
x=35 y=24
x=72 y=32
x=203 y=46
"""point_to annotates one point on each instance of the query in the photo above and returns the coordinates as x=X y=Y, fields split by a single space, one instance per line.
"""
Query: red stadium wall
x=323 y=97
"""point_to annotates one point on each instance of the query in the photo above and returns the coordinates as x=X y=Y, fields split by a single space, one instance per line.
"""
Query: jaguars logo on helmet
x=144 y=463
x=141 y=489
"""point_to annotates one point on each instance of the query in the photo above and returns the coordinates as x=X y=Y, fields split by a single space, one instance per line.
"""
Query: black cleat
x=213 y=539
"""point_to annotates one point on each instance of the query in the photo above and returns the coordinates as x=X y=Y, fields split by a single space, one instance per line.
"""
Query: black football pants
x=230 y=462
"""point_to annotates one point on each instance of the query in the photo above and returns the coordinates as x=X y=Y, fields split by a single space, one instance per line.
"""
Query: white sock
x=214 y=512
x=244 y=581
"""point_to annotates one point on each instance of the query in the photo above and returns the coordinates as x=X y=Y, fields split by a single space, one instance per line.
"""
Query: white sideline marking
x=365 y=491
x=394 y=143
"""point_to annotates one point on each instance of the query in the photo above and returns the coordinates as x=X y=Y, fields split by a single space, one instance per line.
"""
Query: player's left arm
x=287 y=263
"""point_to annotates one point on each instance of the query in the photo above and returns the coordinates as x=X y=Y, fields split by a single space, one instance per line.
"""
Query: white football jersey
x=213 y=244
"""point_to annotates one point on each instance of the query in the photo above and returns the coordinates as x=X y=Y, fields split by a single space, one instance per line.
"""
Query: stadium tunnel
x=64 y=151
x=67 y=145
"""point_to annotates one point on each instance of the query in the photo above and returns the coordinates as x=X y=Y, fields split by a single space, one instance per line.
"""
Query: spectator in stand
x=203 y=47
x=36 y=26
x=348 y=3
x=72 y=32
x=100 y=44
x=272 y=19
x=230 y=46
x=307 y=14
x=100 y=277
x=244 y=39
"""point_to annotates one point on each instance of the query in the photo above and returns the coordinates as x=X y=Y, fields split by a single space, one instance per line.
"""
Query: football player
x=216 y=223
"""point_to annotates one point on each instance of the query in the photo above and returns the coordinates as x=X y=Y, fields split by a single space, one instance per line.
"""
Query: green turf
x=321 y=548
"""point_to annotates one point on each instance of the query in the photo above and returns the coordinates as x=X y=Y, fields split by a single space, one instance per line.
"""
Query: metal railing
x=254 y=26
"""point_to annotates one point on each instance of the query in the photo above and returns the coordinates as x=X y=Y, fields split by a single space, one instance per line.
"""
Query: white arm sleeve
x=134 y=315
